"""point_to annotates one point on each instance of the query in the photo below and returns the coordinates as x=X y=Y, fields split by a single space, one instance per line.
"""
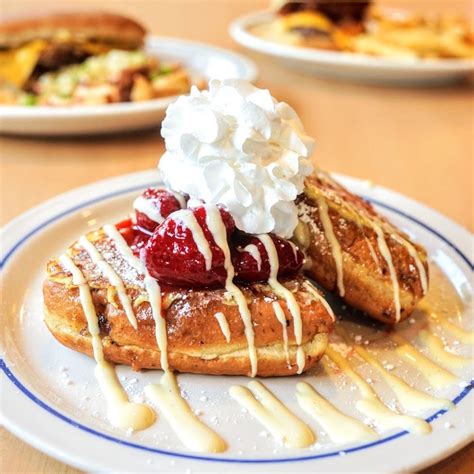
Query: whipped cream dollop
x=236 y=145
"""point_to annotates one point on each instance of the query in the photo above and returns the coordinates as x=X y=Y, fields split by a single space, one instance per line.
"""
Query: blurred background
x=416 y=140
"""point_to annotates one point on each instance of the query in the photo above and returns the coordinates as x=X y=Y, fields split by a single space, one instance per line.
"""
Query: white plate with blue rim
x=202 y=61
x=348 y=66
x=50 y=399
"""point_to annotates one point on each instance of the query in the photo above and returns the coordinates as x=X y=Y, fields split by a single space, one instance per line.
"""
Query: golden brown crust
x=271 y=358
x=120 y=31
x=367 y=283
x=196 y=342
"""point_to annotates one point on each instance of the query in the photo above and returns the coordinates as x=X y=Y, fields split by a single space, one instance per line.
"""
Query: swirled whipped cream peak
x=236 y=145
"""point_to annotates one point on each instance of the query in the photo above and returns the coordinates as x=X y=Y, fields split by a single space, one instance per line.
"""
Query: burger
x=79 y=58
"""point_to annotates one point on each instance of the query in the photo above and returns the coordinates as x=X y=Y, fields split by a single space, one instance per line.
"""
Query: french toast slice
x=354 y=252
x=196 y=341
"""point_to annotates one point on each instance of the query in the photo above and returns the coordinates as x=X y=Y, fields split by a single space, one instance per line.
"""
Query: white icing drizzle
x=371 y=405
x=464 y=336
x=370 y=246
x=273 y=414
x=436 y=347
x=436 y=376
x=120 y=412
x=188 y=219
x=280 y=315
x=217 y=228
x=294 y=248
x=414 y=255
x=152 y=288
x=410 y=399
x=193 y=433
x=333 y=242
x=179 y=197
x=112 y=276
x=341 y=428
x=145 y=206
x=223 y=325
x=252 y=249
x=283 y=292
x=384 y=250
x=320 y=298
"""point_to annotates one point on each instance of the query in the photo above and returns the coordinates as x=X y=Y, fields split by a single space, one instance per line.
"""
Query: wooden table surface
x=417 y=141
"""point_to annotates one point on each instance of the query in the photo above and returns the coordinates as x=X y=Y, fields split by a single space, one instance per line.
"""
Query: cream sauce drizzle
x=145 y=206
x=252 y=249
x=320 y=298
x=280 y=315
x=416 y=258
x=289 y=297
x=188 y=219
x=372 y=406
x=463 y=335
x=217 y=228
x=445 y=358
x=384 y=250
x=273 y=414
x=179 y=197
x=223 y=325
x=340 y=428
x=369 y=245
x=294 y=248
x=333 y=242
x=120 y=412
x=193 y=433
x=410 y=399
x=112 y=276
x=436 y=376
x=466 y=337
x=152 y=287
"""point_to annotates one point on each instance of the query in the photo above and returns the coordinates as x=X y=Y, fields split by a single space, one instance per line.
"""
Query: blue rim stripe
x=113 y=439
x=119 y=441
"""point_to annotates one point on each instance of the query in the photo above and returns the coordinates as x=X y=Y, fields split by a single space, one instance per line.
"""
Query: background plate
x=348 y=65
x=50 y=399
x=202 y=60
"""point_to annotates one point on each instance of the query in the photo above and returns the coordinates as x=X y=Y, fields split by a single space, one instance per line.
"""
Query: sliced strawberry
x=135 y=237
x=161 y=201
x=248 y=269
x=173 y=257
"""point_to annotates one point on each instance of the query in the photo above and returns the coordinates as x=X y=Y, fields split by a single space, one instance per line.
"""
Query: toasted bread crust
x=120 y=31
x=367 y=283
x=196 y=342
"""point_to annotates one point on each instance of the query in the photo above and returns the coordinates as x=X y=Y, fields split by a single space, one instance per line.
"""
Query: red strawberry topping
x=173 y=257
x=248 y=269
x=162 y=202
x=135 y=237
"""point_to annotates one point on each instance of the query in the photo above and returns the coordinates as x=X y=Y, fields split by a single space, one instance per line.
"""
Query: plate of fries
x=383 y=45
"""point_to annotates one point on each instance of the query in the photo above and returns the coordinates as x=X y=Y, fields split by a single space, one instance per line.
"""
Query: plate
x=46 y=385
x=348 y=66
x=202 y=61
